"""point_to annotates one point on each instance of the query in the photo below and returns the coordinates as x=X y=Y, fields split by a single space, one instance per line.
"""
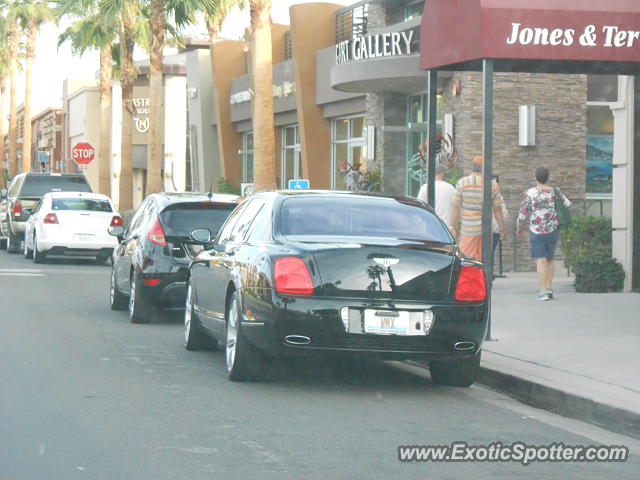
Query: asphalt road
x=84 y=394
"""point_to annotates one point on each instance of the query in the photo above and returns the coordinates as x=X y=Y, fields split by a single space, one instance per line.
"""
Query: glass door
x=291 y=164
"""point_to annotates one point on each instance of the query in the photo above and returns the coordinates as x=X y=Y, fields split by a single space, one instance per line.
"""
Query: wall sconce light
x=527 y=125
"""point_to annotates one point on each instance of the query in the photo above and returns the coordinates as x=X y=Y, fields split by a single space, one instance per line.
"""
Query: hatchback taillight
x=51 y=218
x=16 y=208
x=471 y=286
x=116 y=222
x=292 y=276
x=156 y=233
x=151 y=282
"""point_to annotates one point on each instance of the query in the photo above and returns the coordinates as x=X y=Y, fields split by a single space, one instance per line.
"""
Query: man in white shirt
x=444 y=195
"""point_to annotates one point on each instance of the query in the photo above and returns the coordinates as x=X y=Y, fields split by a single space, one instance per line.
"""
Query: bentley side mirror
x=3 y=193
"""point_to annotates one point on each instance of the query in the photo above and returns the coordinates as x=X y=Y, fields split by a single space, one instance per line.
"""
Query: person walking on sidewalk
x=467 y=205
x=444 y=195
x=538 y=206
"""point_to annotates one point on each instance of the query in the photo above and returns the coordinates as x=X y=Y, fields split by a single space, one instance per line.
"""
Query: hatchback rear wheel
x=456 y=373
x=117 y=300
x=244 y=361
x=138 y=308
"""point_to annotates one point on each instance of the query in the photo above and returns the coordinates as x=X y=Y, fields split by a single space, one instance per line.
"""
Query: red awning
x=589 y=36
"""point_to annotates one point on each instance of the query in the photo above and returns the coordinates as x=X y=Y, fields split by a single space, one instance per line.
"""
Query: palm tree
x=93 y=31
x=4 y=71
x=215 y=17
x=132 y=27
x=14 y=43
x=262 y=75
x=31 y=13
x=158 y=23
x=163 y=16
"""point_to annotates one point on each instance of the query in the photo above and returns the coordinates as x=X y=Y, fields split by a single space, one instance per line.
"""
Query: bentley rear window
x=359 y=217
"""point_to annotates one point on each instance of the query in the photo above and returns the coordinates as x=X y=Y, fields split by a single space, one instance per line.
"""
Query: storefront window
x=413 y=9
x=416 y=136
x=291 y=167
x=349 y=140
x=599 y=149
x=246 y=155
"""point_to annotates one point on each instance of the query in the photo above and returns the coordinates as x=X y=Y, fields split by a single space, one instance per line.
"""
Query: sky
x=53 y=64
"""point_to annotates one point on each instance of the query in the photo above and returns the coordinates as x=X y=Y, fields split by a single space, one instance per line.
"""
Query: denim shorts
x=544 y=245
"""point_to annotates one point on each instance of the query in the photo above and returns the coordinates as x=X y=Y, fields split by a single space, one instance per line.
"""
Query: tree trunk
x=127 y=79
x=13 y=115
x=156 y=95
x=104 y=150
x=32 y=31
x=264 y=167
x=3 y=90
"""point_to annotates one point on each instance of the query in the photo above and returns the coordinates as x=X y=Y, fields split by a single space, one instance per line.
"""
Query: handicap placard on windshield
x=298 y=184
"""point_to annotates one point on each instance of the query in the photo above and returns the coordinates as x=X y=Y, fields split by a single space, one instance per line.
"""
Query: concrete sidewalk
x=577 y=354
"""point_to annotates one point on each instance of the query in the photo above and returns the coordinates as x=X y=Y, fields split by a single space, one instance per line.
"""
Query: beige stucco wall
x=315 y=130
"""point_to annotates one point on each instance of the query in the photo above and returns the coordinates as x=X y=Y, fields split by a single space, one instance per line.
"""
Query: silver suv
x=25 y=191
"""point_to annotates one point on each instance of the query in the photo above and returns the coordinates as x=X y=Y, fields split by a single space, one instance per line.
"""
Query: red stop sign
x=83 y=153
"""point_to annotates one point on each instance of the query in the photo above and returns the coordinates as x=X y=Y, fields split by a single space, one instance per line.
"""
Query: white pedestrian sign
x=298 y=184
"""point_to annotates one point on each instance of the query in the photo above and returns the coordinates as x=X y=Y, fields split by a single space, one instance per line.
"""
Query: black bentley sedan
x=151 y=264
x=336 y=272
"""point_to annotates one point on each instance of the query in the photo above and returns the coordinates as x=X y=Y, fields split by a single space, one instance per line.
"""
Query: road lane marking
x=21 y=270
x=16 y=274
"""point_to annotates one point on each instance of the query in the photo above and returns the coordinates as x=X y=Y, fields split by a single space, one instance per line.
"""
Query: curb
x=546 y=397
x=569 y=404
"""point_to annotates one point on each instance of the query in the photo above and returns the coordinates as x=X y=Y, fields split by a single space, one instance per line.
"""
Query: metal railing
x=351 y=22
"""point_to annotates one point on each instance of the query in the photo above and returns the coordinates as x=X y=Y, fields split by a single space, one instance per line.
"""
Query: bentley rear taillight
x=116 y=221
x=292 y=276
x=471 y=286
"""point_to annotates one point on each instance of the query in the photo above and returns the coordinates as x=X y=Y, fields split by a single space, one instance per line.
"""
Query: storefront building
x=46 y=147
x=349 y=95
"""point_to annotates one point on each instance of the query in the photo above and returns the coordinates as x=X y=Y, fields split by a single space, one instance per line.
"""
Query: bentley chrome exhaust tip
x=464 y=346
x=297 y=340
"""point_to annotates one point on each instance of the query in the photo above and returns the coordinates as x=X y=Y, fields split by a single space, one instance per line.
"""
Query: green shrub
x=586 y=247
x=587 y=235
x=596 y=273
x=372 y=181
x=225 y=187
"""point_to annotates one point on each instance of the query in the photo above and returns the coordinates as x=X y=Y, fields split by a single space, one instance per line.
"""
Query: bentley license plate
x=386 y=322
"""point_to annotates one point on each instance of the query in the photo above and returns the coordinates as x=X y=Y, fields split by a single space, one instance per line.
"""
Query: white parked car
x=71 y=223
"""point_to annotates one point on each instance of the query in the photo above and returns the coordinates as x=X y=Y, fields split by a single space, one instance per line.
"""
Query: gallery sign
x=389 y=44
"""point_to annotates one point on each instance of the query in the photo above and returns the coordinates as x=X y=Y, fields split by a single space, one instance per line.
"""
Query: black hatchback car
x=337 y=272
x=151 y=264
